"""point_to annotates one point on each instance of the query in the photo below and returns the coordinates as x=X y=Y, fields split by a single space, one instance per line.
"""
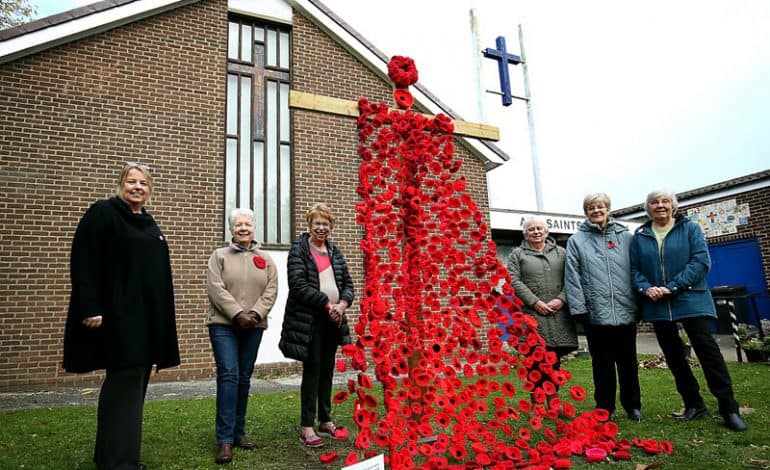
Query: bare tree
x=15 y=12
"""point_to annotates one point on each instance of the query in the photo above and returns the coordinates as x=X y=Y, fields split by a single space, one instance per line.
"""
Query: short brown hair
x=319 y=210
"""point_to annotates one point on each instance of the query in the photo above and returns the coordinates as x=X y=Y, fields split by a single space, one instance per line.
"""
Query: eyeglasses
x=660 y=202
x=141 y=166
x=595 y=208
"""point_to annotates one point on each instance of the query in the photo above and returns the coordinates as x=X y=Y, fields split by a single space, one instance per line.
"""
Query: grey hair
x=240 y=211
x=661 y=192
x=594 y=197
x=533 y=218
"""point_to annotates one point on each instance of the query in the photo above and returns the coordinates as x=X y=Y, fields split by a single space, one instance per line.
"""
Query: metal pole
x=734 y=325
x=757 y=318
x=531 y=122
x=476 y=61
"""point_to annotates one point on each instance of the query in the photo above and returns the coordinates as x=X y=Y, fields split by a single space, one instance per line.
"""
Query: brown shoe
x=224 y=454
x=244 y=443
x=327 y=429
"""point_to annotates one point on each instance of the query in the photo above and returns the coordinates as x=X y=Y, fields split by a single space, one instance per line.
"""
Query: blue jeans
x=234 y=353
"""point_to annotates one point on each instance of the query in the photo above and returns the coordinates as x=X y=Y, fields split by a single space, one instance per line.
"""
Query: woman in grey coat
x=537 y=275
x=599 y=293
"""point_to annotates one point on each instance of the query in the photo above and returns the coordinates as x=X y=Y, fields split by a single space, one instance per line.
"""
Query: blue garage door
x=740 y=263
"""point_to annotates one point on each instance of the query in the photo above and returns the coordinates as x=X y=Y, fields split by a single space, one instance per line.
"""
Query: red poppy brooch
x=403 y=98
x=259 y=262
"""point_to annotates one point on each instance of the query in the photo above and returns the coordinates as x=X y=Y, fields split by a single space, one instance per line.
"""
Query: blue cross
x=503 y=59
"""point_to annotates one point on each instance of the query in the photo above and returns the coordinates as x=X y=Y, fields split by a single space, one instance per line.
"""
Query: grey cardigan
x=539 y=275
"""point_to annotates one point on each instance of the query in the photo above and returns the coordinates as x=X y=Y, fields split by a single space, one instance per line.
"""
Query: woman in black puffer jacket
x=314 y=324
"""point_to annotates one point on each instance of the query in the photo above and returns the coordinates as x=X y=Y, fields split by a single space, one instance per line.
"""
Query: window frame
x=276 y=214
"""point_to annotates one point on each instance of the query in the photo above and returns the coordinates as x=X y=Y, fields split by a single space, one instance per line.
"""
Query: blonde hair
x=143 y=169
x=320 y=210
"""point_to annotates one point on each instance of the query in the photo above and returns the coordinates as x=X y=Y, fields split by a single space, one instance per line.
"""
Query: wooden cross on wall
x=340 y=107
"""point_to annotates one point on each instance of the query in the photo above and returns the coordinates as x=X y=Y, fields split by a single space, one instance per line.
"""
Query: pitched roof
x=59 y=18
x=78 y=23
x=98 y=17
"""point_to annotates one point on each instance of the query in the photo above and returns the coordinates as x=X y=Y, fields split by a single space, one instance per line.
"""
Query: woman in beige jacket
x=242 y=283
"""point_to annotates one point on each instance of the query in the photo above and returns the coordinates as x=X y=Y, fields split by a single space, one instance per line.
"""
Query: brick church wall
x=153 y=91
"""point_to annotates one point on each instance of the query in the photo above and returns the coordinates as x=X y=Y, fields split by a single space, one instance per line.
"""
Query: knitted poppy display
x=466 y=379
x=402 y=71
x=403 y=98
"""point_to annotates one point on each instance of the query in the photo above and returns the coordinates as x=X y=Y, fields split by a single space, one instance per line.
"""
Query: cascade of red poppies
x=452 y=390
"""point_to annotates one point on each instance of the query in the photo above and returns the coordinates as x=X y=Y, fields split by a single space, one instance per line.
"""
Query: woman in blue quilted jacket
x=599 y=295
x=669 y=263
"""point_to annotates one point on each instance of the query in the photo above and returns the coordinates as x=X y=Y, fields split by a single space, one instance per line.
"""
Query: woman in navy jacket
x=669 y=263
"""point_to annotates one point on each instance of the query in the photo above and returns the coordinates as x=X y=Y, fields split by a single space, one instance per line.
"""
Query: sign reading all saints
x=502 y=219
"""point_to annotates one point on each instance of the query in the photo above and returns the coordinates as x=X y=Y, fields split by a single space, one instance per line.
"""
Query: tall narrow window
x=258 y=140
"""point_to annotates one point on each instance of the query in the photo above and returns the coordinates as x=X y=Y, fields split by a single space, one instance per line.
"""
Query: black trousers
x=560 y=352
x=613 y=348
x=710 y=357
x=317 y=371
x=119 y=418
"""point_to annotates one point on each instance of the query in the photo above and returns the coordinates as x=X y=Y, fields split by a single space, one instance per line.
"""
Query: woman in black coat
x=314 y=325
x=121 y=312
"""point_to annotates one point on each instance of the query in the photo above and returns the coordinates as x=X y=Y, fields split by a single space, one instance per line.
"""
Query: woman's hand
x=336 y=311
x=543 y=308
x=93 y=322
x=244 y=321
x=656 y=293
x=555 y=304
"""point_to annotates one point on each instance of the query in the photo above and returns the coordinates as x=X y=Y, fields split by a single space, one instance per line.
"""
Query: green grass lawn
x=179 y=434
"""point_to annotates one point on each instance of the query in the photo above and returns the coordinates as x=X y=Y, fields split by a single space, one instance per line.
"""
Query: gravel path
x=61 y=397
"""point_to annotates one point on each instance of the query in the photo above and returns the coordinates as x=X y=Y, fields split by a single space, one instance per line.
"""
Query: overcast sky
x=626 y=97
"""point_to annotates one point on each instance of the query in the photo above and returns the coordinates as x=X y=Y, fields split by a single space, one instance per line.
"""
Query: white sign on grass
x=375 y=463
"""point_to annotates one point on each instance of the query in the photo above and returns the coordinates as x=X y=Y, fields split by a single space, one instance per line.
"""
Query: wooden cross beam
x=327 y=104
